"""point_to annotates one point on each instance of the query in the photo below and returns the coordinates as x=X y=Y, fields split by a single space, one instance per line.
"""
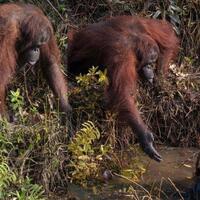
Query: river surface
x=165 y=180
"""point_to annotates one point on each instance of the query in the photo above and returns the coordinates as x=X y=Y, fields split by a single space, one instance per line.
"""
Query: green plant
x=17 y=101
x=87 y=94
x=85 y=156
x=12 y=183
x=7 y=177
x=29 y=191
x=94 y=76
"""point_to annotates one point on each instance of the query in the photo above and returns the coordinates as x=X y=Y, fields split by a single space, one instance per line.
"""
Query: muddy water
x=174 y=173
x=165 y=180
x=178 y=163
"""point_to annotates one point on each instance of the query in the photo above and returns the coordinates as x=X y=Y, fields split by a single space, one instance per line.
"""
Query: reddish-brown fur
x=21 y=28
x=115 y=44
